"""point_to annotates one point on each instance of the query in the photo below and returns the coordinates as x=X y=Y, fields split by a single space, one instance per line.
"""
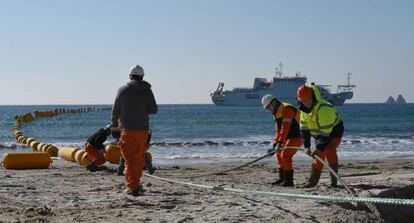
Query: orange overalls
x=94 y=146
x=330 y=153
x=287 y=133
x=96 y=156
x=133 y=145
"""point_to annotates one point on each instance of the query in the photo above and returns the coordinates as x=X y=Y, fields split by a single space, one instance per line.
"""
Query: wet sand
x=68 y=193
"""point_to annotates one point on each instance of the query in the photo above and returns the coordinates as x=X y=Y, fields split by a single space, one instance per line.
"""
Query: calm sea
x=207 y=133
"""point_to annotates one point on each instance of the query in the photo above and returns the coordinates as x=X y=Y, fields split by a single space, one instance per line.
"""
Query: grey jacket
x=133 y=104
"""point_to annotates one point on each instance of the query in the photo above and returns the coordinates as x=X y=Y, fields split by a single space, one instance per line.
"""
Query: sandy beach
x=68 y=193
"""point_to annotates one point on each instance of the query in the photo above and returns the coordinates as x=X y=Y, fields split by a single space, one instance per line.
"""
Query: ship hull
x=253 y=98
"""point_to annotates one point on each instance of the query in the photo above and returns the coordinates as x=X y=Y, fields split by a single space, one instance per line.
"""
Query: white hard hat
x=267 y=99
x=137 y=71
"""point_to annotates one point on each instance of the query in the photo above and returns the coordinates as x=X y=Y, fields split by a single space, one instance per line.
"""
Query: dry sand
x=68 y=193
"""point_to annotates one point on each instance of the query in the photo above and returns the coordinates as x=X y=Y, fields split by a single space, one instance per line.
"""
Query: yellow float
x=43 y=147
x=112 y=153
x=40 y=147
x=29 y=140
x=19 y=138
x=52 y=150
x=37 y=147
x=78 y=155
x=23 y=161
x=33 y=145
x=68 y=153
x=85 y=159
x=24 y=140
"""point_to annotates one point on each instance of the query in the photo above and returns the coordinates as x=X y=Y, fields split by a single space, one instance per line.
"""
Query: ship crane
x=279 y=70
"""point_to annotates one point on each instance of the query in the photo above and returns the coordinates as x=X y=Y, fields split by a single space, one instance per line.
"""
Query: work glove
x=275 y=148
x=279 y=146
x=271 y=151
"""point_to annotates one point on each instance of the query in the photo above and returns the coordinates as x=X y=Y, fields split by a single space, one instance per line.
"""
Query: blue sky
x=80 y=52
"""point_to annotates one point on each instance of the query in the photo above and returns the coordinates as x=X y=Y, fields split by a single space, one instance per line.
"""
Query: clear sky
x=80 y=52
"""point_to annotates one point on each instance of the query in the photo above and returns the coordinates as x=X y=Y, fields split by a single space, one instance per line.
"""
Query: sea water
x=207 y=133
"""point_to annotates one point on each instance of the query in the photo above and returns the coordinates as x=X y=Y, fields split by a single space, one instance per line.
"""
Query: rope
x=227 y=170
x=268 y=155
x=372 y=200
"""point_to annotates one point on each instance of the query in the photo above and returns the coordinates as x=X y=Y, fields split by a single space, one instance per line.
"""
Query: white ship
x=282 y=87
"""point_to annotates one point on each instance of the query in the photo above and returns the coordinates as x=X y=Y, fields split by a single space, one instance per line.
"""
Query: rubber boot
x=141 y=189
x=281 y=177
x=288 y=179
x=148 y=163
x=334 y=180
x=121 y=167
x=315 y=175
x=130 y=192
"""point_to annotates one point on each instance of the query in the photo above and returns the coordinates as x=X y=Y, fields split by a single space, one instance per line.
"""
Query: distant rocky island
x=400 y=100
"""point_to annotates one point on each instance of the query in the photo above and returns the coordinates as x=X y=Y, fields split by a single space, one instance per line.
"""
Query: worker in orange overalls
x=287 y=135
x=95 y=148
x=133 y=104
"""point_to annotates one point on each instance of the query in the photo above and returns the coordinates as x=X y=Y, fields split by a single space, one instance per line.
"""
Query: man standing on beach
x=287 y=135
x=132 y=107
x=322 y=121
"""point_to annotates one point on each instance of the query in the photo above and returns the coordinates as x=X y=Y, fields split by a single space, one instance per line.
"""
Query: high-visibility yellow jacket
x=322 y=118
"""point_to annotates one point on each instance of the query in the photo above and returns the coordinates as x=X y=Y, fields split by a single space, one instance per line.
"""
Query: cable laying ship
x=284 y=88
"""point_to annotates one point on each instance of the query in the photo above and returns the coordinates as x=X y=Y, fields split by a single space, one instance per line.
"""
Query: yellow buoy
x=22 y=161
x=112 y=153
x=29 y=140
x=78 y=155
x=68 y=153
x=40 y=147
x=52 y=150
x=85 y=159
x=23 y=140
x=19 y=138
x=33 y=145
x=44 y=147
